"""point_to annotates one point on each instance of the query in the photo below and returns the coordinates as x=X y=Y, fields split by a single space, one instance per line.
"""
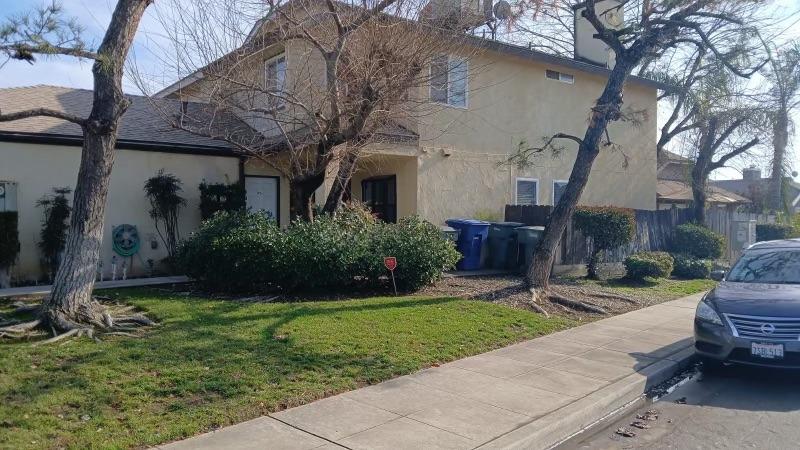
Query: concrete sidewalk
x=132 y=282
x=530 y=395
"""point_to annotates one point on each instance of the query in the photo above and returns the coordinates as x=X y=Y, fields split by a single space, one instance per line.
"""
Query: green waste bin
x=527 y=238
x=450 y=233
x=503 y=245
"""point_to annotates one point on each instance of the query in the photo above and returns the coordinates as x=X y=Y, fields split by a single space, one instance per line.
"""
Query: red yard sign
x=391 y=263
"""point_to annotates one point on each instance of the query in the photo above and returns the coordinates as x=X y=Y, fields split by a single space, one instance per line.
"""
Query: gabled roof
x=672 y=191
x=145 y=125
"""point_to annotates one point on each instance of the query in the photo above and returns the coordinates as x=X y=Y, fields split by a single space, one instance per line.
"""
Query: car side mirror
x=718 y=275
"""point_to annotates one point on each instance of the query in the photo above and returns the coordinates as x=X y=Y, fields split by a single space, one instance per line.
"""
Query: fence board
x=654 y=230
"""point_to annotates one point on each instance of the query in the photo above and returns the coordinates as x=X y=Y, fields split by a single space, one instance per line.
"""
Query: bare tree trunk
x=699 y=183
x=606 y=109
x=70 y=303
x=780 y=139
x=347 y=167
x=301 y=194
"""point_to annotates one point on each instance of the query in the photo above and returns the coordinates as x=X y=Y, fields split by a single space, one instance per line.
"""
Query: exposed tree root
x=575 y=304
x=89 y=320
x=534 y=304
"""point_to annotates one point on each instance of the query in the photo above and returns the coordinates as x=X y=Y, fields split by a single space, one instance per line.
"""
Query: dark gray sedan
x=753 y=316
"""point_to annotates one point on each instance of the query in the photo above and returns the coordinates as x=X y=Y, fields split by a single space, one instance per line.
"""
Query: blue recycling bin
x=472 y=234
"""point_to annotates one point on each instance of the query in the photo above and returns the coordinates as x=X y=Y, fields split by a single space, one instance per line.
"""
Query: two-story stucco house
x=442 y=164
x=448 y=162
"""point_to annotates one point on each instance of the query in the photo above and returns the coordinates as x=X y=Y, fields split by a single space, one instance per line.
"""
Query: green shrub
x=235 y=252
x=419 y=247
x=221 y=197
x=608 y=226
x=773 y=231
x=698 y=241
x=247 y=252
x=648 y=264
x=9 y=238
x=688 y=267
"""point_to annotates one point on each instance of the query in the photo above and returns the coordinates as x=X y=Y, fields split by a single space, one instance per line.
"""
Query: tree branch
x=39 y=112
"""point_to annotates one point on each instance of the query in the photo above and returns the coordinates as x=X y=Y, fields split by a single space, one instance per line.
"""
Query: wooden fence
x=654 y=231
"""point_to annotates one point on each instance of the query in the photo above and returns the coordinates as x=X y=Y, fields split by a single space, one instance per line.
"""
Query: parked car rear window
x=767 y=266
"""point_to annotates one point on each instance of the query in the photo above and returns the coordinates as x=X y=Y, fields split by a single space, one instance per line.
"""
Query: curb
x=566 y=423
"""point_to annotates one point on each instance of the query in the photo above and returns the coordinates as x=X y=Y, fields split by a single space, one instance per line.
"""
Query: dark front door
x=380 y=195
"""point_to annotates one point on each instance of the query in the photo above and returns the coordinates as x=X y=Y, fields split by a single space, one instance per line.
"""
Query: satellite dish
x=614 y=18
x=502 y=10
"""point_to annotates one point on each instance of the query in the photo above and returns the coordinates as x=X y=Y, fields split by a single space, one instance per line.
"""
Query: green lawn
x=662 y=288
x=214 y=363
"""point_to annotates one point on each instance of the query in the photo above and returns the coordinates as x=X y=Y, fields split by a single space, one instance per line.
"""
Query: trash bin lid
x=507 y=224
x=465 y=222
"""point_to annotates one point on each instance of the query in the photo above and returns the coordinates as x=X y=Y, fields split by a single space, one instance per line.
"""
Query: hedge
x=248 y=252
x=773 y=232
x=698 y=241
x=608 y=226
x=648 y=264
x=688 y=267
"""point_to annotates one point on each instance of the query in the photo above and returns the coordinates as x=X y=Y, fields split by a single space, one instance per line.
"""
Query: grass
x=215 y=363
x=662 y=288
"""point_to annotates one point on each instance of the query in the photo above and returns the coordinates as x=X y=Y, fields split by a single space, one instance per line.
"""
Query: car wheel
x=710 y=365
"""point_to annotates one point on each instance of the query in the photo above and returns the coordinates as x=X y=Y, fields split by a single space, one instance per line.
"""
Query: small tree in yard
x=69 y=308
x=9 y=245
x=163 y=192
x=608 y=227
x=650 y=29
x=53 y=237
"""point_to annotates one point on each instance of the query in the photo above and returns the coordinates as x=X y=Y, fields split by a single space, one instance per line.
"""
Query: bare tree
x=69 y=308
x=316 y=83
x=650 y=29
x=783 y=74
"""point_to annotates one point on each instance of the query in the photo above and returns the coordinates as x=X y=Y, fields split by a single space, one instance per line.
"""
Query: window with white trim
x=559 y=76
x=558 y=190
x=527 y=191
x=275 y=79
x=449 y=80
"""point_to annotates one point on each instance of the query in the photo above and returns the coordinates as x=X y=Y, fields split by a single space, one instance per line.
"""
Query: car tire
x=710 y=365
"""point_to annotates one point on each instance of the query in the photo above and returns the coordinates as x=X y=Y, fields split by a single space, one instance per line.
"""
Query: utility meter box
x=8 y=196
x=744 y=234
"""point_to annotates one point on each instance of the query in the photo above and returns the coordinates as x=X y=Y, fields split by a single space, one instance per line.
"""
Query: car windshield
x=774 y=266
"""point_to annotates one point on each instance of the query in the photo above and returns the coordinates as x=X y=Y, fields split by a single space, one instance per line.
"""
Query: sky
x=95 y=15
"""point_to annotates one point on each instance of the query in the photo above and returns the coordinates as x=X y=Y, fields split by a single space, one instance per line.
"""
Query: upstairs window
x=527 y=191
x=560 y=76
x=449 y=76
x=275 y=77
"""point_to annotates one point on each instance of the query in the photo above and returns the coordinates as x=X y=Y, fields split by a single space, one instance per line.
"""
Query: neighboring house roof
x=673 y=167
x=759 y=187
x=673 y=191
x=145 y=125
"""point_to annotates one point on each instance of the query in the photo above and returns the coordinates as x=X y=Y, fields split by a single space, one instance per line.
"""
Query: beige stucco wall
x=37 y=168
x=511 y=100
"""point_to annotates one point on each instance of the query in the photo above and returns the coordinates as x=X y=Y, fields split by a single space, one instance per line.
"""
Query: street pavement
x=529 y=395
x=736 y=408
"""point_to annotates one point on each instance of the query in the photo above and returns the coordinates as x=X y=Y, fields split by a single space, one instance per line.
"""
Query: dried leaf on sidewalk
x=650 y=414
x=640 y=425
x=681 y=401
x=622 y=431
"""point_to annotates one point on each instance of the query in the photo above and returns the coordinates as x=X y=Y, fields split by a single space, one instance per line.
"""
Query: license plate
x=767 y=351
